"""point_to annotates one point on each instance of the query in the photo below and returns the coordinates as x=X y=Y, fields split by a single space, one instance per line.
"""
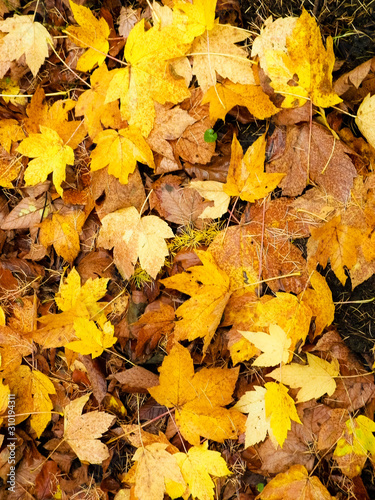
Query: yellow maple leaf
x=224 y=96
x=275 y=346
x=93 y=106
x=62 y=231
x=50 y=155
x=75 y=301
x=200 y=16
x=257 y=425
x=92 y=33
x=147 y=77
x=208 y=287
x=24 y=37
x=157 y=472
x=292 y=54
x=10 y=131
x=32 y=389
x=197 y=465
x=246 y=177
x=280 y=410
x=319 y=299
x=82 y=432
x=365 y=118
x=295 y=484
x=10 y=91
x=133 y=237
x=199 y=398
x=334 y=242
x=314 y=379
x=93 y=340
x=120 y=151
x=212 y=191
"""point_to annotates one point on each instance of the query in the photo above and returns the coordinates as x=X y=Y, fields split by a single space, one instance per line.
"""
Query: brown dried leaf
x=137 y=379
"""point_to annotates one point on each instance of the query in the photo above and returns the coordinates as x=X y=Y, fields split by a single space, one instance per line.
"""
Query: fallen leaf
x=142 y=237
x=50 y=156
x=315 y=379
x=199 y=399
x=91 y=34
x=275 y=346
x=25 y=37
x=208 y=287
x=197 y=465
x=246 y=177
x=92 y=339
x=257 y=425
x=10 y=131
x=212 y=191
x=82 y=432
x=364 y=119
x=296 y=484
x=27 y=213
x=137 y=380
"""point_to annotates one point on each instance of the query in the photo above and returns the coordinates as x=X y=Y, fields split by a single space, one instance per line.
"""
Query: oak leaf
x=156 y=473
x=275 y=346
x=92 y=34
x=197 y=465
x=120 y=150
x=297 y=72
x=208 y=287
x=147 y=78
x=297 y=484
x=93 y=340
x=198 y=398
x=226 y=95
x=315 y=379
x=246 y=177
x=141 y=237
x=50 y=155
x=24 y=37
x=82 y=432
x=334 y=242
x=32 y=389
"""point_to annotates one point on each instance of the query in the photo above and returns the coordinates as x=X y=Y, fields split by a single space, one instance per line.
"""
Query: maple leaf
x=334 y=242
x=62 y=231
x=200 y=16
x=92 y=104
x=257 y=425
x=13 y=346
x=320 y=302
x=198 y=398
x=82 y=432
x=197 y=465
x=215 y=52
x=246 y=177
x=212 y=191
x=91 y=33
x=142 y=237
x=226 y=95
x=294 y=71
x=50 y=155
x=315 y=379
x=32 y=389
x=297 y=484
x=280 y=410
x=10 y=131
x=147 y=78
x=156 y=473
x=24 y=37
x=120 y=151
x=365 y=118
x=93 y=340
x=208 y=287
x=275 y=346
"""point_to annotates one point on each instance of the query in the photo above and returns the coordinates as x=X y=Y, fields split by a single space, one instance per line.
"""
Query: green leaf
x=210 y=135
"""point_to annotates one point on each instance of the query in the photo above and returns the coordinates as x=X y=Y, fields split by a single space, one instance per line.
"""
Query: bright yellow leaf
x=275 y=346
x=199 y=399
x=10 y=131
x=24 y=37
x=280 y=410
x=93 y=340
x=365 y=118
x=197 y=465
x=133 y=237
x=92 y=34
x=200 y=15
x=257 y=425
x=120 y=151
x=50 y=155
x=208 y=287
x=224 y=96
x=246 y=177
x=315 y=379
